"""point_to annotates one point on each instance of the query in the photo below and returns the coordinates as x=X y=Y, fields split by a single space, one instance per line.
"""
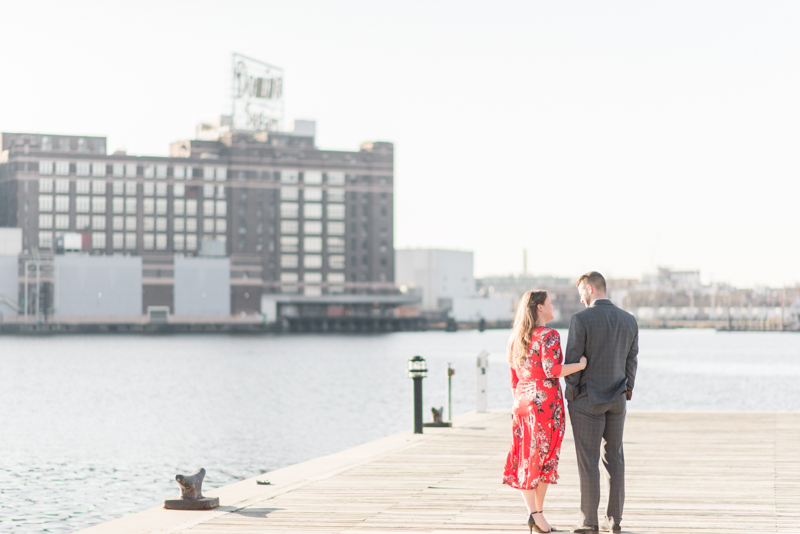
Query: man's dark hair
x=593 y=279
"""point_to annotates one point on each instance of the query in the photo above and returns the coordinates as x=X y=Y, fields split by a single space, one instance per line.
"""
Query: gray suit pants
x=593 y=426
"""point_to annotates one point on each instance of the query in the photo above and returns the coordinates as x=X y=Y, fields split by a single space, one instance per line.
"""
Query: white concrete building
x=439 y=276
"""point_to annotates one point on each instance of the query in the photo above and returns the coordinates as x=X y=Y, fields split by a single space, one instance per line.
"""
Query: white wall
x=475 y=309
x=10 y=241
x=98 y=285
x=436 y=273
x=202 y=286
x=9 y=282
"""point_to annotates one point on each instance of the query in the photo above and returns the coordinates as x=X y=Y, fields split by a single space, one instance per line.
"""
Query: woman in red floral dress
x=534 y=354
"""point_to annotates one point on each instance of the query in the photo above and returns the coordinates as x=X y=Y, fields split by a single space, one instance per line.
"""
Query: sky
x=609 y=136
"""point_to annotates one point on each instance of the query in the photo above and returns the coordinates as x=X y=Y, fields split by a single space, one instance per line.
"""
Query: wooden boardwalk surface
x=687 y=472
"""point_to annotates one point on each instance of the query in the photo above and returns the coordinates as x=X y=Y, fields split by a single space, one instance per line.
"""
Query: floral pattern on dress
x=538 y=414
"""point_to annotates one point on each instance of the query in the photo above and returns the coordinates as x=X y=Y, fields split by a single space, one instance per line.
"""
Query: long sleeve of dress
x=550 y=352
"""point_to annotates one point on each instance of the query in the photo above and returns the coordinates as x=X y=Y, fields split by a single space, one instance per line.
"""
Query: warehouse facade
x=292 y=219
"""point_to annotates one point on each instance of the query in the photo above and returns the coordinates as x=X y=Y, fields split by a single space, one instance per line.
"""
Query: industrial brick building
x=295 y=221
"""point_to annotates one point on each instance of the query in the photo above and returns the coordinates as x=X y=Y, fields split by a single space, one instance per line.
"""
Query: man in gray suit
x=598 y=395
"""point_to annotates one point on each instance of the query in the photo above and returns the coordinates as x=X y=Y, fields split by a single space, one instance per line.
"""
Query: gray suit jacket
x=609 y=338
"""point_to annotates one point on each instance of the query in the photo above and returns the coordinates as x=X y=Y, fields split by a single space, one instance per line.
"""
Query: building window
x=98 y=222
x=161 y=171
x=312 y=261
x=149 y=171
x=62 y=168
x=312 y=244
x=312 y=291
x=289 y=277
x=149 y=206
x=191 y=225
x=191 y=207
x=312 y=177
x=312 y=211
x=161 y=242
x=98 y=169
x=45 y=203
x=208 y=208
x=336 y=278
x=178 y=241
x=99 y=187
x=149 y=241
x=62 y=222
x=335 y=228
x=45 y=168
x=179 y=172
x=222 y=174
x=130 y=170
x=290 y=193
x=149 y=189
x=130 y=205
x=82 y=222
x=289 y=227
x=161 y=224
x=208 y=225
x=178 y=190
x=118 y=170
x=312 y=194
x=289 y=177
x=312 y=228
x=130 y=189
x=45 y=185
x=83 y=187
x=98 y=204
x=335 y=178
x=118 y=188
x=98 y=240
x=336 y=262
x=335 y=245
x=177 y=207
x=222 y=208
x=130 y=223
x=222 y=226
x=289 y=210
x=161 y=190
x=161 y=206
x=289 y=244
x=45 y=221
x=191 y=242
x=83 y=168
x=208 y=173
x=289 y=261
x=118 y=241
x=336 y=211
x=149 y=224
x=45 y=239
x=62 y=185
x=178 y=225
x=118 y=205
x=130 y=241
x=335 y=195
x=118 y=223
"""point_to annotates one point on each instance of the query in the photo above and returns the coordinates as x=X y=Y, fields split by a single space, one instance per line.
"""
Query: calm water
x=95 y=427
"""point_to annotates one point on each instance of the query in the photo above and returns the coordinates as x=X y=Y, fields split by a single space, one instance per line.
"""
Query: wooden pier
x=687 y=472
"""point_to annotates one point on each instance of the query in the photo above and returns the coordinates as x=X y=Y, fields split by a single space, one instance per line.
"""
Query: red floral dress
x=538 y=414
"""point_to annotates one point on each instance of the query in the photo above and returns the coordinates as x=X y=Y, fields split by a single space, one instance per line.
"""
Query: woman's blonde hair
x=525 y=320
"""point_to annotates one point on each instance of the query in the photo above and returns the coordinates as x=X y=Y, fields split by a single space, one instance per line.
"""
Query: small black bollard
x=417 y=371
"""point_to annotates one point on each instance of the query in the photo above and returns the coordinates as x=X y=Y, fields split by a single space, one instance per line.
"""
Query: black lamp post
x=417 y=370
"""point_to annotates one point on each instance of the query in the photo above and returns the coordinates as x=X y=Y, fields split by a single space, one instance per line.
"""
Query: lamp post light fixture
x=417 y=370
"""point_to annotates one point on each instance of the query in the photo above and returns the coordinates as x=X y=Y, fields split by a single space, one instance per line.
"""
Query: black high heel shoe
x=532 y=523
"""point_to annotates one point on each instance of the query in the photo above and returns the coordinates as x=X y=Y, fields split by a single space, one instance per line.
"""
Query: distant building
x=437 y=275
x=292 y=218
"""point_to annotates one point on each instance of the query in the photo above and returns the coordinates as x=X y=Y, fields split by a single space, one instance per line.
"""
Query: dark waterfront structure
x=294 y=220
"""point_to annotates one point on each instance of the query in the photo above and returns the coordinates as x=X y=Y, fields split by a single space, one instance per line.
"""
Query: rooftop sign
x=257 y=95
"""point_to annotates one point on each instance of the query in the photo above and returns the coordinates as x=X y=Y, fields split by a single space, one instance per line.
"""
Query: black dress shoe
x=586 y=528
x=610 y=526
